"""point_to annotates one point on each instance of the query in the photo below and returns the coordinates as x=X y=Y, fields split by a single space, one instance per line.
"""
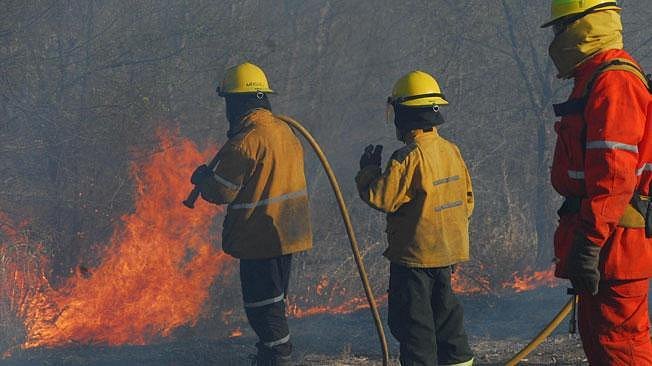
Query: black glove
x=583 y=266
x=371 y=156
x=200 y=175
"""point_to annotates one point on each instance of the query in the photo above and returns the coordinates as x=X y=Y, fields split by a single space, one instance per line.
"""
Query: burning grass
x=155 y=272
x=159 y=271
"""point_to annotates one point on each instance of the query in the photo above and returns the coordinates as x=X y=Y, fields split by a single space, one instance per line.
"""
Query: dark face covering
x=239 y=106
x=407 y=119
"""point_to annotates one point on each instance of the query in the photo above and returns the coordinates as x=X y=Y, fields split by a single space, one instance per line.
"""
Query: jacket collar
x=584 y=72
x=416 y=135
x=587 y=68
x=255 y=116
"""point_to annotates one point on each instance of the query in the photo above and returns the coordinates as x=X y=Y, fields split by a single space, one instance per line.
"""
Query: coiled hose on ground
x=349 y=230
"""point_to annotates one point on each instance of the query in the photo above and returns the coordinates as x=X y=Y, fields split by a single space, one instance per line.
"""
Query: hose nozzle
x=572 y=322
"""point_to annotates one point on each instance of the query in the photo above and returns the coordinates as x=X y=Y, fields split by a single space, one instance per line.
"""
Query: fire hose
x=543 y=334
x=554 y=323
x=190 y=201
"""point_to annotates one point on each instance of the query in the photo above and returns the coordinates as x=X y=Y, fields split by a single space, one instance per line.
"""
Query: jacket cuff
x=208 y=188
x=367 y=175
x=584 y=240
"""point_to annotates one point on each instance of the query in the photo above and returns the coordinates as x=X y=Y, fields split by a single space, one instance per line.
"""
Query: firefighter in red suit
x=603 y=167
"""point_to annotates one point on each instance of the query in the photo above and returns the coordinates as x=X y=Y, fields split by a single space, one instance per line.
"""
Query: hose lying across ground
x=349 y=230
x=554 y=323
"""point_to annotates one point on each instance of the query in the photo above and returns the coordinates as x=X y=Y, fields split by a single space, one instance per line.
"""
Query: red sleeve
x=615 y=127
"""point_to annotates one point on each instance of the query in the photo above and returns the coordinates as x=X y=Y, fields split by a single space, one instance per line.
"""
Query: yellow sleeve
x=389 y=190
x=231 y=172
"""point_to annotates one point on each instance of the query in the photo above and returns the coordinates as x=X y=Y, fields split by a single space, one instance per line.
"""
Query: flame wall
x=155 y=273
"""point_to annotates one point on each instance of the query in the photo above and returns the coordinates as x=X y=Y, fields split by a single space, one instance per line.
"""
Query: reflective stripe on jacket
x=260 y=175
x=426 y=193
x=602 y=157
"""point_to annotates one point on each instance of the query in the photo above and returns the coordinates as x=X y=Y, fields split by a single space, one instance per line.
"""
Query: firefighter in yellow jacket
x=426 y=193
x=260 y=175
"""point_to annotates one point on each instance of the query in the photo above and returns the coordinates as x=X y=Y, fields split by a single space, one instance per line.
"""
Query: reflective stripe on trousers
x=265 y=302
x=278 y=342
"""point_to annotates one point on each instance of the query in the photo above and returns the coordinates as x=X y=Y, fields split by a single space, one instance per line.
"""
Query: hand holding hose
x=197 y=177
x=200 y=174
x=583 y=266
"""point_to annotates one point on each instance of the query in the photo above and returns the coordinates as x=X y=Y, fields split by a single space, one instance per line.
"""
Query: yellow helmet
x=563 y=8
x=417 y=89
x=244 y=78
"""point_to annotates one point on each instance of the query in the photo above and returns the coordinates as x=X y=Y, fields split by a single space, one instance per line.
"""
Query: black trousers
x=264 y=289
x=426 y=317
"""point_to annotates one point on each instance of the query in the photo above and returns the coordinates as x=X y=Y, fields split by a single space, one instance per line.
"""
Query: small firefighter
x=260 y=175
x=603 y=167
x=426 y=193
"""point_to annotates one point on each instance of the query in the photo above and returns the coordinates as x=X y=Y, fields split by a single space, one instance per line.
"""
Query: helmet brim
x=425 y=102
x=579 y=15
x=233 y=92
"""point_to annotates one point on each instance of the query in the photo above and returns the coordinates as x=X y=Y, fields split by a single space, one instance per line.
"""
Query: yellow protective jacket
x=427 y=195
x=260 y=175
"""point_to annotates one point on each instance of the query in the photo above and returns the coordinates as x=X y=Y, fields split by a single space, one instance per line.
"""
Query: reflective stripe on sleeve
x=226 y=183
x=575 y=174
x=611 y=145
x=448 y=205
x=279 y=342
x=268 y=201
x=446 y=180
x=647 y=167
x=265 y=302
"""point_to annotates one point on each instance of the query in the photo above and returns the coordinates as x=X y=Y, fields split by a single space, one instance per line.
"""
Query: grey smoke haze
x=85 y=83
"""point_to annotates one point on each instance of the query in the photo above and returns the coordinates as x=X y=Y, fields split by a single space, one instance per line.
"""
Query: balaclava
x=239 y=106
x=407 y=119
x=592 y=33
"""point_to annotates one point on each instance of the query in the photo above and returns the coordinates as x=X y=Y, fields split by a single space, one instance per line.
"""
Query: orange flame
x=336 y=300
x=532 y=280
x=235 y=333
x=466 y=285
x=156 y=270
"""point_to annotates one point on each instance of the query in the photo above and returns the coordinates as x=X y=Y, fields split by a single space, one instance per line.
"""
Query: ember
x=237 y=332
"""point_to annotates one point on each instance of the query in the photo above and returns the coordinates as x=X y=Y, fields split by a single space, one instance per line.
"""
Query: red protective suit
x=603 y=157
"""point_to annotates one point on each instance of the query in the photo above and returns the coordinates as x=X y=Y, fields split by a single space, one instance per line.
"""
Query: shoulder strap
x=620 y=64
x=577 y=105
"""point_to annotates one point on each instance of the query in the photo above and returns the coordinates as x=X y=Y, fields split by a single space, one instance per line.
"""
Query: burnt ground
x=498 y=328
